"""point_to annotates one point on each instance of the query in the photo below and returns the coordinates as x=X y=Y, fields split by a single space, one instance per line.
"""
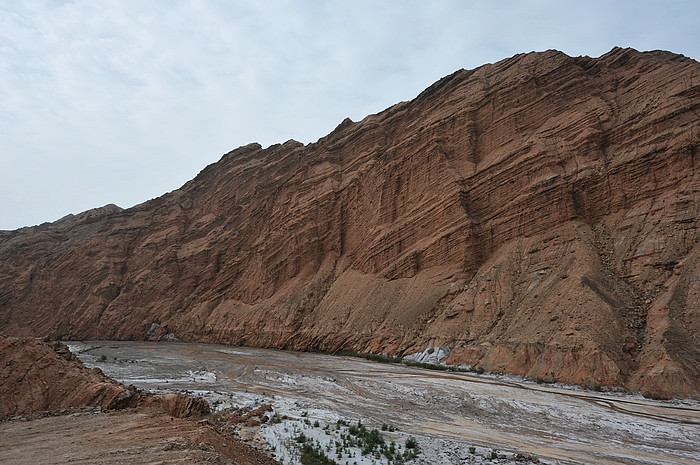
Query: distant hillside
x=536 y=216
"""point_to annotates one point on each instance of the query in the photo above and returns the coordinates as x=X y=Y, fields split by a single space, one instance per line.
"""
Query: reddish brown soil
x=39 y=376
x=538 y=215
x=45 y=395
x=128 y=436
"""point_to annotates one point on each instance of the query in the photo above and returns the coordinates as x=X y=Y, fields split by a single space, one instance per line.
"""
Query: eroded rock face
x=538 y=216
x=38 y=376
x=41 y=376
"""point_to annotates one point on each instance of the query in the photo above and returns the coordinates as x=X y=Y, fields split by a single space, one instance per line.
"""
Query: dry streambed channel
x=332 y=405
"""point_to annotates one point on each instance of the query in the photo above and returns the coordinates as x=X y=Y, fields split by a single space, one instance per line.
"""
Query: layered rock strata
x=538 y=216
x=38 y=376
x=44 y=382
x=44 y=376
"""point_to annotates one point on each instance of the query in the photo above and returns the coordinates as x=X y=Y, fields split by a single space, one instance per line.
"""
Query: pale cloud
x=120 y=101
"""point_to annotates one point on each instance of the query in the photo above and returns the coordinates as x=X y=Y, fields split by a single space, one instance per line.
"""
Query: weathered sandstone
x=45 y=383
x=537 y=215
x=38 y=376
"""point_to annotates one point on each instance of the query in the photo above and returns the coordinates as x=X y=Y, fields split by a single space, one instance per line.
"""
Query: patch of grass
x=433 y=366
x=367 y=356
x=593 y=386
x=342 y=422
x=349 y=438
x=311 y=455
x=382 y=358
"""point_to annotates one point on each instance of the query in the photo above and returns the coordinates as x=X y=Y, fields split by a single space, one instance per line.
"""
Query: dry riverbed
x=421 y=416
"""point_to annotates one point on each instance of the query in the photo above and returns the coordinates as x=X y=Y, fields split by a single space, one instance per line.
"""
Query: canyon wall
x=537 y=216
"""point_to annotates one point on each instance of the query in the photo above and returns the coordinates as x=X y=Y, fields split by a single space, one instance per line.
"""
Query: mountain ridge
x=537 y=216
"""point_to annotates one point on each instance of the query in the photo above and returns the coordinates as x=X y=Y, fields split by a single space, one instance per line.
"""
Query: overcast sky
x=121 y=101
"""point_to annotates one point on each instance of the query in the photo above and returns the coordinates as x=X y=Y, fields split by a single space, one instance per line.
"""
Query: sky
x=120 y=101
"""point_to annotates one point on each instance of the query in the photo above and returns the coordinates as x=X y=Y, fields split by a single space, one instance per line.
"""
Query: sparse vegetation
x=382 y=358
x=311 y=455
x=367 y=356
x=593 y=386
x=347 y=439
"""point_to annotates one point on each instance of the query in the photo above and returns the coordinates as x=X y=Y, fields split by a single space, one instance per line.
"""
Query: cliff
x=537 y=216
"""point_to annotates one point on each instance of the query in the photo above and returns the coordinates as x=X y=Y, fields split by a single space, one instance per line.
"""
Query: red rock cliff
x=537 y=215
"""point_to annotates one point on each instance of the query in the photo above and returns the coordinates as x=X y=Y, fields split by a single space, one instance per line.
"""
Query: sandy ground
x=98 y=438
x=455 y=417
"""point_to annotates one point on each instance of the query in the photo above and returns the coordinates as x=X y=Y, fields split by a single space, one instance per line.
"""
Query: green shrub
x=411 y=443
x=312 y=456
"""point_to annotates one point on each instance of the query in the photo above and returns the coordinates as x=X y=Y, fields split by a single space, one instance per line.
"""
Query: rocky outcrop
x=43 y=376
x=39 y=376
x=42 y=380
x=180 y=405
x=537 y=216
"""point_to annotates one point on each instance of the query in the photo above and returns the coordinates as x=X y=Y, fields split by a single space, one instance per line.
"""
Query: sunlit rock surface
x=537 y=216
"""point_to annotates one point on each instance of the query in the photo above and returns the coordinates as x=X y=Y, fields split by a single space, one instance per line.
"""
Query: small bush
x=313 y=456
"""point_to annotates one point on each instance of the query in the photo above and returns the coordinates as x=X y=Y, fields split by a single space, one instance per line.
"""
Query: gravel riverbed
x=451 y=417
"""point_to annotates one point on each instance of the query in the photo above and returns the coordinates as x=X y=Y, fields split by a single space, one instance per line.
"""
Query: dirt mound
x=127 y=436
x=40 y=376
x=536 y=216
x=45 y=383
x=181 y=406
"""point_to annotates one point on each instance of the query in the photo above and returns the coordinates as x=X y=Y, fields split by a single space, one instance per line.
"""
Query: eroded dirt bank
x=448 y=413
x=55 y=410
